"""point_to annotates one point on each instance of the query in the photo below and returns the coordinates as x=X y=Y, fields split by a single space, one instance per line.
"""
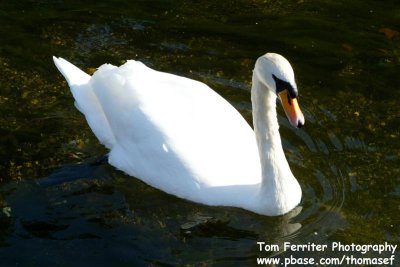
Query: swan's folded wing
x=175 y=133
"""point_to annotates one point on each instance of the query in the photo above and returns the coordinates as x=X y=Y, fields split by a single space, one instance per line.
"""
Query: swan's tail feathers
x=86 y=101
x=71 y=73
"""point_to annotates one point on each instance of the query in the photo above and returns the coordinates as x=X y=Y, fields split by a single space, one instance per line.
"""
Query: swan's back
x=173 y=133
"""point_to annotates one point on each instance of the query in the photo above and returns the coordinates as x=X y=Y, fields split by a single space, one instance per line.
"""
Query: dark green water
x=346 y=57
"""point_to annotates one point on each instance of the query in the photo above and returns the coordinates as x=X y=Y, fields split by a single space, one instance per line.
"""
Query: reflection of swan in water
x=178 y=135
x=288 y=227
x=205 y=224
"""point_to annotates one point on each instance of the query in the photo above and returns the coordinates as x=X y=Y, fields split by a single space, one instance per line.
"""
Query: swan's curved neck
x=277 y=178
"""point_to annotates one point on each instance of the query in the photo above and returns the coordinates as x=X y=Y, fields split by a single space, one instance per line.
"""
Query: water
x=346 y=57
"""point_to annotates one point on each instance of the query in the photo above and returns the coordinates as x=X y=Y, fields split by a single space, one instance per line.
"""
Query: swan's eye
x=289 y=99
x=282 y=85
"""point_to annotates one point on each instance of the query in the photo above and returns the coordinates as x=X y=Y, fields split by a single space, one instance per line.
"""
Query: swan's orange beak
x=292 y=109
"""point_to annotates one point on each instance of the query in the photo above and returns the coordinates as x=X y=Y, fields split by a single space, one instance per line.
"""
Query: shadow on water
x=121 y=221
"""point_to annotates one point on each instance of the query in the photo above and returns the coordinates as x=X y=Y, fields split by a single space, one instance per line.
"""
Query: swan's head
x=276 y=73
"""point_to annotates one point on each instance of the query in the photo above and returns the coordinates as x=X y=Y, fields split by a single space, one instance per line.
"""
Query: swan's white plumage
x=175 y=134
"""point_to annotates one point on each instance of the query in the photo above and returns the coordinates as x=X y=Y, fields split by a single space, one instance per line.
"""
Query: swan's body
x=178 y=135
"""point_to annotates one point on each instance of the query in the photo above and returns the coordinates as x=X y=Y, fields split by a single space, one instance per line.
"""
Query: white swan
x=178 y=135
